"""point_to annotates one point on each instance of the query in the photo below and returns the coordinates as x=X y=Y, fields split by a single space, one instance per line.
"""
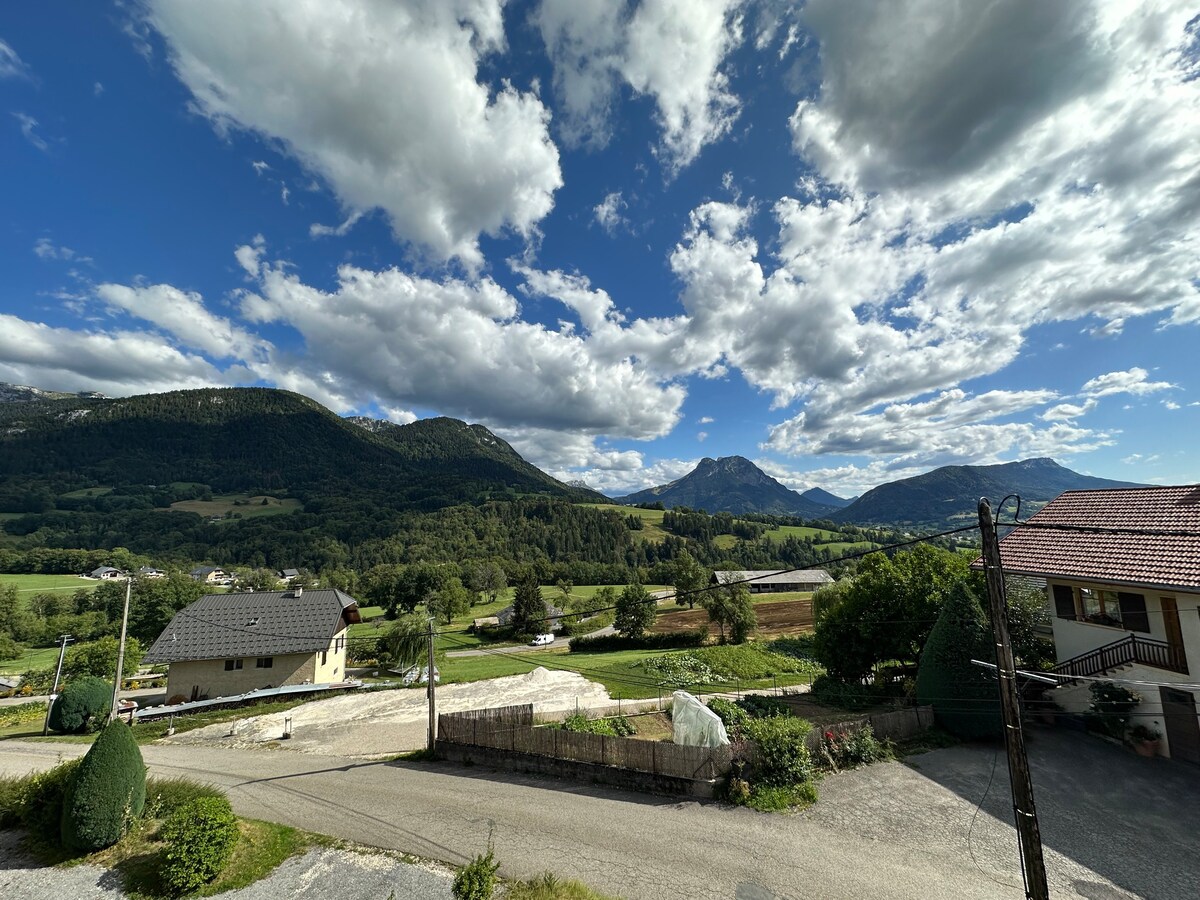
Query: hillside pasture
x=776 y=617
x=652 y=519
x=31 y=658
x=250 y=507
x=87 y=493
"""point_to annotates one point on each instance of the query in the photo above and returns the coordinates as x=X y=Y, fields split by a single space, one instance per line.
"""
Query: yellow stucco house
x=224 y=645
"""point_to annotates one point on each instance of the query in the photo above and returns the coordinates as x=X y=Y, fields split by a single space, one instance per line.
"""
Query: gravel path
x=317 y=874
x=383 y=723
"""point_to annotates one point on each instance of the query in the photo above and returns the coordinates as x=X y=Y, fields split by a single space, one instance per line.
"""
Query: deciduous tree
x=636 y=611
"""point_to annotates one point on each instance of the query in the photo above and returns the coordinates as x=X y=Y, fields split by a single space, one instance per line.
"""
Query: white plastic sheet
x=695 y=724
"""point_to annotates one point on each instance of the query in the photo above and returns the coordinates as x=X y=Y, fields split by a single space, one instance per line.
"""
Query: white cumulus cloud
x=444 y=157
x=669 y=50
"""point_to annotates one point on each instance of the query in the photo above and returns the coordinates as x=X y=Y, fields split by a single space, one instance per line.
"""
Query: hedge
x=200 y=838
x=107 y=792
x=82 y=702
x=669 y=640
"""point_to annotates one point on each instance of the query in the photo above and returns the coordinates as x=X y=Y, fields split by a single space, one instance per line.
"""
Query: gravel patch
x=383 y=723
x=317 y=874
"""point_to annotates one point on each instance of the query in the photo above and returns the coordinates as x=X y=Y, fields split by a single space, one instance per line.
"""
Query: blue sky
x=848 y=242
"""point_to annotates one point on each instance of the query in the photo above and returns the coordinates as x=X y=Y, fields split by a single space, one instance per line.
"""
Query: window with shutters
x=1100 y=606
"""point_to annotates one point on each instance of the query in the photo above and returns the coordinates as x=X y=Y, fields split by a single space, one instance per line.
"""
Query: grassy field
x=37 y=584
x=455 y=636
x=652 y=520
x=250 y=507
x=32 y=658
x=87 y=493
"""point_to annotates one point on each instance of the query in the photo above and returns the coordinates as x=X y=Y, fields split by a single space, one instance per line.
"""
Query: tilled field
x=774 y=619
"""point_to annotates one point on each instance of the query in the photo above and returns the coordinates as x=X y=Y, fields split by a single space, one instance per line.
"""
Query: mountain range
x=269 y=441
x=255 y=440
x=943 y=497
x=734 y=484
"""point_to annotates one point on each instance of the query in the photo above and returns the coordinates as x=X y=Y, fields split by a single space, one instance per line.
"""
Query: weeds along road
x=884 y=832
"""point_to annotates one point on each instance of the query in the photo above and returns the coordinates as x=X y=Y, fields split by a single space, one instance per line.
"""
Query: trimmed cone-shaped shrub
x=81 y=702
x=107 y=793
x=200 y=838
x=965 y=697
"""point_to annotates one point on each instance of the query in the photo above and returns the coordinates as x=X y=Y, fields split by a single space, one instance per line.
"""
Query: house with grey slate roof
x=1122 y=572
x=224 y=645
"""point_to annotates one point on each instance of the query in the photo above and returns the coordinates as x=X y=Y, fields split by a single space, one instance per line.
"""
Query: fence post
x=654 y=757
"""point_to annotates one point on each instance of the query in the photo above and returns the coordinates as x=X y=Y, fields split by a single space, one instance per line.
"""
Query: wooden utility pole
x=62 y=652
x=432 y=693
x=1033 y=867
x=112 y=715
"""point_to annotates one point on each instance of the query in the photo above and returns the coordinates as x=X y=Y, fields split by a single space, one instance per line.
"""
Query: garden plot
x=775 y=618
x=382 y=723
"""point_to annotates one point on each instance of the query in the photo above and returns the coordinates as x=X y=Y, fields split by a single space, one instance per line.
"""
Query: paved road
x=1115 y=825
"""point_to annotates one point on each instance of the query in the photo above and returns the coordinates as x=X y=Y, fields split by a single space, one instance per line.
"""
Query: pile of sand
x=382 y=723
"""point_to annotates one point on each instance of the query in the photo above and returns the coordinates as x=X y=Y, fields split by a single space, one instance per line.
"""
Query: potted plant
x=1145 y=740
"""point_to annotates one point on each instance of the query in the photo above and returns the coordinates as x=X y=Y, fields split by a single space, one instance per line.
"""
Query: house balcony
x=1129 y=650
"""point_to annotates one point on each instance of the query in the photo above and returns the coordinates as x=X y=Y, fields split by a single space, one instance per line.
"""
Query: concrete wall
x=209 y=678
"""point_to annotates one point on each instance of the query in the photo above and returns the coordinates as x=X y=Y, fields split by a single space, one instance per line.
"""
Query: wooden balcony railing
x=1124 y=652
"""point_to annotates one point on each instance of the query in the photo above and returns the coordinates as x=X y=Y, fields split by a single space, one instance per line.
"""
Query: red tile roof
x=1163 y=561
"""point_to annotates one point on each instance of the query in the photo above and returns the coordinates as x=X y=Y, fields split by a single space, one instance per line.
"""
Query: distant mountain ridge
x=23 y=393
x=256 y=440
x=948 y=496
x=733 y=484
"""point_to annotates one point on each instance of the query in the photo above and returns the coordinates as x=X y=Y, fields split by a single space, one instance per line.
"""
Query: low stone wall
x=573 y=770
x=897 y=725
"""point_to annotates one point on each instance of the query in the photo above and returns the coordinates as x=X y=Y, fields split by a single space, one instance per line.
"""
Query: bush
x=965 y=697
x=200 y=836
x=1112 y=705
x=166 y=795
x=477 y=879
x=781 y=757
x=83 y=701
x=670 y=640
x=844 y=694
x=732 y=715
x=778 y=798
x=849 y=749
x=107 y=793
x=760 y=706
x=35 y=801
x=615 y=726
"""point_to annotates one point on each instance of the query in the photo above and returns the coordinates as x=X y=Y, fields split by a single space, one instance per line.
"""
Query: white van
x=542 y=640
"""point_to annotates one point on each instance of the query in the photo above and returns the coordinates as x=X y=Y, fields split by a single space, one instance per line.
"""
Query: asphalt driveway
x=1115 y=825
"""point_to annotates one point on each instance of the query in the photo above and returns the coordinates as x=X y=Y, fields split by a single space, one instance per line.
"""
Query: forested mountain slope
x=730 y=484
x=948 y=496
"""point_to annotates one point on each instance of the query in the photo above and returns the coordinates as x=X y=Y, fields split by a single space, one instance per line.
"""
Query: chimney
x=297 y=592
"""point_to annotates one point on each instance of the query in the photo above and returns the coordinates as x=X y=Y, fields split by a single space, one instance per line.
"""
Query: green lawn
x=32 y=658
x=621 y=671
x=37 y=584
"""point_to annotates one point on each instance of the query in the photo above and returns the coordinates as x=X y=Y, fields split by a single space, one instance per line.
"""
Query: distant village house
x=107 y=573
x=209 y=574
x=224 y=645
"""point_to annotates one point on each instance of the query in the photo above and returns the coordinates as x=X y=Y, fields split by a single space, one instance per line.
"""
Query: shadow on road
x=545 y=782
x=1132 y=820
